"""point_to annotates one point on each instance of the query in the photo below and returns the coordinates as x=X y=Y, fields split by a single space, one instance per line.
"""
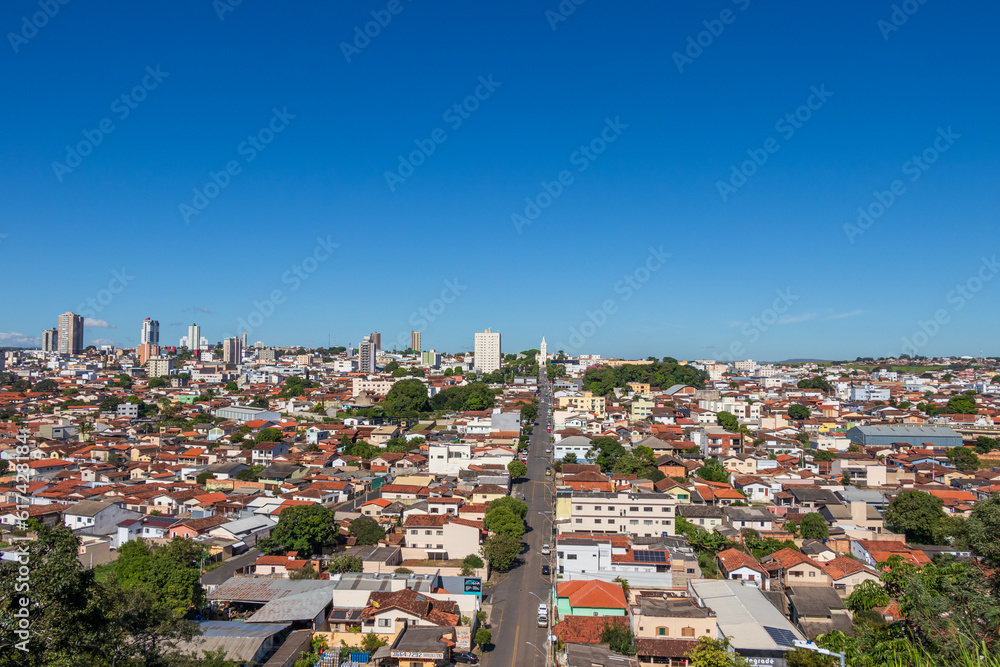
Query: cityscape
x=556 y=334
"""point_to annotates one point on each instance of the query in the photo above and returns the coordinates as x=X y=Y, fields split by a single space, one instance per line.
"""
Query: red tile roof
x=592 y=593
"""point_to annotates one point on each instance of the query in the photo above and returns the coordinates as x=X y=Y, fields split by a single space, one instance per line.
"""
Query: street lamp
x=812 y=646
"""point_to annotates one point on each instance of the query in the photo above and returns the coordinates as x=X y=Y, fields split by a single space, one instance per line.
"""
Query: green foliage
x=390 y=367
x=917 y=514
x=403 y=570
x=714 y=653
x=813 y=527
x=295 y=386
x=45 y=386
x=250 y=474
x=231 y=386
x=801 y=657
x=471 y=563
x=517 y=469
x=170 y=572
x=816 y=383
x=963 y=404
x=157 y=383
x=821 y=455
x=640 y=462
x=529 y=411
x=605 y=452
x=110 y=403
x=204 y=477
x=501 y=551
x=728 y=421
x=986 y=445
x=305 y=572
x=619 y=638
x=712 y=471
x=982 y=530
x=602 y=380
x=259 y=402
x=867 y=595
x=483 y=638
x=569 y=458
x=345 y=564
x=372 y=642
x=367 y=530
x=302 y=528
x=502 y=521
x=963 y=459
x=269 y=435
x=798 y=412
x=473 y=396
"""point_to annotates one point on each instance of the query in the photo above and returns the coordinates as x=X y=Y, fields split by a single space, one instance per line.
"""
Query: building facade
x=366 y=354
x=415 y=341
x=70 y=333
x=150 y=333
x=487 y=351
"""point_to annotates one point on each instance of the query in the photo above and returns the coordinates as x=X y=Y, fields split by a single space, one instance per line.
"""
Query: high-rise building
x=159 y=366
x=430 y=358
x=193 y=338
x=232 y=350
x=377 y=339
x=366 y=355
x=145 y=351
x=50 y=340
x=70 y=333
x=150 y=332
x=415 y=341
x=487 y=351
x=542 y=357
x=244 y=340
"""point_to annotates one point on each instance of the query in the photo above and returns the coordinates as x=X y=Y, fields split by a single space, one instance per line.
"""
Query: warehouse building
x=915 y=436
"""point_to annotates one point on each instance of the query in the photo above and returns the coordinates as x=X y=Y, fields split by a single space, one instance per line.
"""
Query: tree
x=813 y=527
x=372 y=642
x=963 y=459
x=621 y=581
x=867 y=595
x=714 y=653
x=345 y=564
x=259 y=402
x=518 y=507
x=712 y=471
x=503 y=521
x=605 y=452
x=982 y=530
x=728 y=421
x=302 y=528
x=569 y=458
x=45 y=386
x=250 y=474
x=517 y=469
x=917 y=514
x=619 y=637
x=802 y=657
x=471 y=563
x=406 y=398
x=305 y=572
x=483 y=638
x=157 y=383
x=390 y=367
x=232 y=386
x=963 y=404
x=403 y=570
x=823 y=455
x=367 y=530
x=269 y=435
x=798 y=412
x=816 y=383
x=501 y=551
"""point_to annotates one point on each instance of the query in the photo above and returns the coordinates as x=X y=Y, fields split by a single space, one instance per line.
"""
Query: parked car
x=548 y=472
x=464 y=659
x=545 y=570
x=545 y=550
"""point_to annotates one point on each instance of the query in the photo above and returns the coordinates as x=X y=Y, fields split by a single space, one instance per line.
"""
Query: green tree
x=963 y=404
x=390 y=367
x=259 y=402
x=728 y=421
x=982 y=530
x=517 y=469
x=502 y=521
x=501 y=551
x=303 y=528
x=367 y=530
x=867 y=595
x=798 y=412
x=712 y=471
x=372 y=642
x=963 y=459
x=269 y=435
x=710 y=652
x=345 y=563
x=305 y=572
x=802 y=657
x=406 y=398
x=157 y=383
x=605 y=452
x=231 y=386
x=815 y=383
x=471 y=563
x=917 y=514
x=569 y=458
x=483 y=638
x=619 y=637
x=821 y=455
x=813 y=527
x=518 y=507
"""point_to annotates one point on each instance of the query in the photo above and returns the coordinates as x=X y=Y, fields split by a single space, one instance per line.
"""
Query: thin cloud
x=792 y=319
x=840 y=316
x=199 y=309
x=102 y=341
x=176 y=324
x=14 y=339
x=98 y=324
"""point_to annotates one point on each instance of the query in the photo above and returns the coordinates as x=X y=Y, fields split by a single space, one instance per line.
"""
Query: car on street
x=545 y=550
x=545 y=570
x=464 y=659
x=548 y=472
x=548 y=451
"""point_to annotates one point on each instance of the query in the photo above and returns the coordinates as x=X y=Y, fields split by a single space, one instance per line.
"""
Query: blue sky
x=620 y=142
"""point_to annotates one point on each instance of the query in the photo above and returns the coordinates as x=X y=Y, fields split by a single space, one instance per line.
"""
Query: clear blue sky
x=550 y=91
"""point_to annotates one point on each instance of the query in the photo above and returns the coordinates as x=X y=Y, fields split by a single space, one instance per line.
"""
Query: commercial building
x=150 y=332
x=487 y=351
x=70 y=333
x=914 y=436
x=415 y=341
x=243 y=414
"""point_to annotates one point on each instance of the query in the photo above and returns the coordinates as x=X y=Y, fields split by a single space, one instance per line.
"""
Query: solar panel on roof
x=780 y=636
x=650 y=556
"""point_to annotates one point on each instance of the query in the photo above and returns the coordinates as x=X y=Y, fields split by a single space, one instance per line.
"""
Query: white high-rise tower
x=487 y=351
x=542 y=356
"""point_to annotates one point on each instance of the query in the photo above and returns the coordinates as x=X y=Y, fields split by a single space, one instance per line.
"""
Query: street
x=517 y=638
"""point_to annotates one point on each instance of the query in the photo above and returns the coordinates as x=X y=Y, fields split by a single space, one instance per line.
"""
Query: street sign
x=474 y=585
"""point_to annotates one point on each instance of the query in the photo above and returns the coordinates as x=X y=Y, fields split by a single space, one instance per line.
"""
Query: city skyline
x=705 y=174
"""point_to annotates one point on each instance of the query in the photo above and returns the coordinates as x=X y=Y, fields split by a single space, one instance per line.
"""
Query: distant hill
x=800 y=361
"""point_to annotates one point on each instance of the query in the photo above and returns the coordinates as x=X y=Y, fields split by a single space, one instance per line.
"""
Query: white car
x=548 y=451
x=545 y=552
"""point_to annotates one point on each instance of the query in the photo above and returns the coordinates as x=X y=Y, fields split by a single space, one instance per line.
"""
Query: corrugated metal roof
x=252 y=589
x=938 y=431
x=301 y=607
x=241 y=641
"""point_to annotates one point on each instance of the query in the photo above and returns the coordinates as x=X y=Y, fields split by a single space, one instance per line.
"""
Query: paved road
x=515 y=600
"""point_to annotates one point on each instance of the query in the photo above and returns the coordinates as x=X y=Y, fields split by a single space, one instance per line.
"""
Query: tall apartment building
x=366 y=354
x=70 y=333
x=158 y=367
x=415 y=341
x=145 y=351
x=487 y=351
x=377 y=339
x=232 y=350
x=637 y=514
x=267 y=354
x=193 y=340
x=150 y=332
x=50 y=340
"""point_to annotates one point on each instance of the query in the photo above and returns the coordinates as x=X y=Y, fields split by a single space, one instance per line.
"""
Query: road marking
x=517 y=633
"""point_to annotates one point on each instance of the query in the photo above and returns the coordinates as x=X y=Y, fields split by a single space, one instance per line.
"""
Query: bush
x=483 y=638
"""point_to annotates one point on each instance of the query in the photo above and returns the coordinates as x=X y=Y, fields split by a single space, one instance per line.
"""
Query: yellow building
x=583 y=401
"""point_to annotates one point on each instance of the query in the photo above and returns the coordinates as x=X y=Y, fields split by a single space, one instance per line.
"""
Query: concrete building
x=376 y=338
x=193 y=340
x=232 y=350
x=487 y=351
x=158 y=366
x=430 y=358
x=637 y=514
x=150 y=332
x=50 y=340
x=415 y=341
x=543 y=353
x=868 y=392
x=243 y=414
x=145 y=351
x=70 y=333
x=366 y=354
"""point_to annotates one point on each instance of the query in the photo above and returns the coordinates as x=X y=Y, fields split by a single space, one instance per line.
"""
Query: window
x=414 y=532
x=571 y=557
x=384 y=623
x=812 y=574
x=597 y=520
x=598 y=508
x=579 y=508
x=579 y=520
x=633 y=509
x=665 y=509
x=647 y=509
x=611 y=521
x=647 y=522
x=611 y=508
x=439 y=532
x=427 y=532
x=633 y=522
x=663 y=632
x=687 y=632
